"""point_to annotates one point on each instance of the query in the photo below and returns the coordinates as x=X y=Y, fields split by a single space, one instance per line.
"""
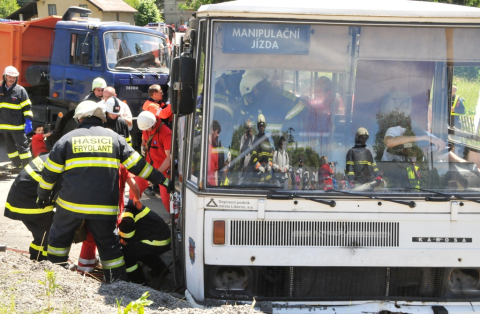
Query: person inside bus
x=212 y=170
x=324 y=98
x=260 y=94
x=399 y=140
x=246 y=142
x=281 y=163
x=262 y=153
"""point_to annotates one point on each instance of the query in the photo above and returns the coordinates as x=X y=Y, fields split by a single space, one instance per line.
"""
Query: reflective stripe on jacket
x=22 y=198
x=15 y=106
x=143 y=226
x=88 y=160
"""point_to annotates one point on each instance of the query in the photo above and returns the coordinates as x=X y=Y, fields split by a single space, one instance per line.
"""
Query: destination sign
x=266 y=38
x=441 y=240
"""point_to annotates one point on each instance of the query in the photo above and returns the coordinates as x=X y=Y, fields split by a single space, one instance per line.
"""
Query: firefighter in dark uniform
x=114 y=121
x=262 y=153
x=144 y=237
x=15 y=118
x=22 y=205
x=361 y=168
x=87 y=159
x=98 y=85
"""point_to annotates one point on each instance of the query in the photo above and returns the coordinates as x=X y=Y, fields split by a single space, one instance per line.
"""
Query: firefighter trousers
x=63 y=231
x=17 y=148
x=40 y=229
x=147 y=254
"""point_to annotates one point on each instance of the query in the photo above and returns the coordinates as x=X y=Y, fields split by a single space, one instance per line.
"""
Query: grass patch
x=468 y=90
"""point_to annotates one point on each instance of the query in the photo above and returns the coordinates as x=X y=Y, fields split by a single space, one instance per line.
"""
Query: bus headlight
x=230 y=278
x=464 y=280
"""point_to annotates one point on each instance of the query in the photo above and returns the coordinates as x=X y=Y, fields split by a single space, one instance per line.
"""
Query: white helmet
x=11 y=71
x=99 y=83
x=112 y=105
x=249 y=79
x=146 y=120
x=89 y=108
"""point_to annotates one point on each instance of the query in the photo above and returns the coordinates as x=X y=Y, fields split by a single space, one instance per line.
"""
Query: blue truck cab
x=129 y=58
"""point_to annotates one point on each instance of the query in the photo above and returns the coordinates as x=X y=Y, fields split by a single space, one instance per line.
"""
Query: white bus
x=271 y=96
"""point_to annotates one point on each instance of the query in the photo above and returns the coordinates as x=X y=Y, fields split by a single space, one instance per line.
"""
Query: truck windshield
x=143 y=52
x=331 y=107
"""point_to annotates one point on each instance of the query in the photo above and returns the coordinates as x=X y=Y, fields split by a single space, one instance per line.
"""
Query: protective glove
x=261 y=169
x=269 y=168
x=42 y=202
x=169 y=184
x=143 y=150
x=378 y=179
x=28 y=126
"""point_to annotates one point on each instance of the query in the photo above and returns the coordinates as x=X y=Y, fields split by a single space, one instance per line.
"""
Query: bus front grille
x=314 y=233
x=336 y=283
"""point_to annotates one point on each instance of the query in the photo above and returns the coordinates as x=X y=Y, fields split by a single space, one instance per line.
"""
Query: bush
x=147 y=13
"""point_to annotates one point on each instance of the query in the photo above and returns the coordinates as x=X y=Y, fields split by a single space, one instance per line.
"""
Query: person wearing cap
x=155 y=105
x=361 y=168
x=156 y=144
x=114 y=121
x=98 y=85
x=15 y=118
x=87 y=159
x=125 y=112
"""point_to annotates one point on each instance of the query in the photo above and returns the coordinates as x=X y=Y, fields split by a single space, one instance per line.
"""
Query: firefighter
x=98 y=85
x=144 y=237
x=458 y=109
x=15 y=118
x=262 y=152
x=21 y=205
x=413 y=176
x=87 y=159
x=114 y=121
x=361 y=168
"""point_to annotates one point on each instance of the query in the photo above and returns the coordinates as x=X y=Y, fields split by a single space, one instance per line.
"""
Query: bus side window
x=198 y=121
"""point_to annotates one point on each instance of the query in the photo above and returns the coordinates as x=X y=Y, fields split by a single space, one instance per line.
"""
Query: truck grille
x=314 y=233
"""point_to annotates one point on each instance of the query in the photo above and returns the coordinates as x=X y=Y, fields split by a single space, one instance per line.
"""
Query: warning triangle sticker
x=212 y=203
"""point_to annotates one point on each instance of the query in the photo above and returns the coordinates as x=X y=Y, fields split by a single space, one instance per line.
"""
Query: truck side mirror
x=182 y=85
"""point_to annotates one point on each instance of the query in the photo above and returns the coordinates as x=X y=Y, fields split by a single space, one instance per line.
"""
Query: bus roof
x=403 y=11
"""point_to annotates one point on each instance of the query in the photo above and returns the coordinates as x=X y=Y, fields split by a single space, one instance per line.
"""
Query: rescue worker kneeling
x=88 y=160
x=22 y=205
x=144 y=237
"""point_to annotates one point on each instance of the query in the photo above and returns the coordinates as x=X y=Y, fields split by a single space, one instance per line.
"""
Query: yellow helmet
x=361 y=131
x=261 y=121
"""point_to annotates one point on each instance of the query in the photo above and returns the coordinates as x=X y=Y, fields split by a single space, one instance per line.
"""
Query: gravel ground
x=19 y=278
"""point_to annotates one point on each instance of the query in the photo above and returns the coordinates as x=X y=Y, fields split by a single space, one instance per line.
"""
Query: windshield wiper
x=446 y=195
x=410 y=204
x=288 y=196
x=127 y=69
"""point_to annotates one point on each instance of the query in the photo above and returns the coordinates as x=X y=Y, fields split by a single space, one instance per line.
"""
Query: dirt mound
x=21 y=288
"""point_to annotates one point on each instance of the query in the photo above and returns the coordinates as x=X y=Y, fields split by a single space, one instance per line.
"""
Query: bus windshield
x=338 y=107
x=136 y=51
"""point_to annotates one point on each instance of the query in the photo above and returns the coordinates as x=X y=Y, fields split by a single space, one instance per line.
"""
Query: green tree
x=7 y=7
x=470 y=3
x=147 y=13
x=195 y=4
x=133 y=3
